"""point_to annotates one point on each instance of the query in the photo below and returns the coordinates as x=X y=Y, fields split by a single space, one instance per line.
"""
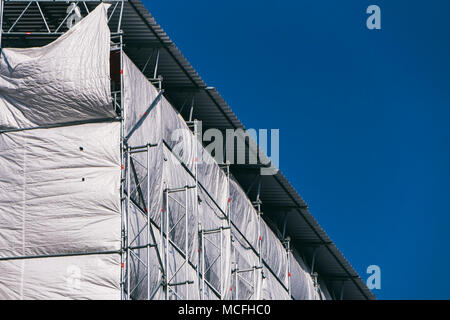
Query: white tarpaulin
x=59 y=195
x=65 y=81
x=60 y=189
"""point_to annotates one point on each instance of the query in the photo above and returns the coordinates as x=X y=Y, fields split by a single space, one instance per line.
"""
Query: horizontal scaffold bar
x=143 y=148
x=144 y=246
x=211 y=231
x=56 y=255
x=246 y=270
x=63 y=124
x=174 y=190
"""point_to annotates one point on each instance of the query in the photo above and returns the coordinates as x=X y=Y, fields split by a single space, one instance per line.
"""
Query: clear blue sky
x=363 y=116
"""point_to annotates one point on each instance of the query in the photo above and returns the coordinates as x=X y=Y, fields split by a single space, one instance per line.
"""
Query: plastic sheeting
x=60 y=187
x=65 y=81
x=303 y=285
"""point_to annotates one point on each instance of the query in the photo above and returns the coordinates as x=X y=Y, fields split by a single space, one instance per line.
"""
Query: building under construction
x=100 y=199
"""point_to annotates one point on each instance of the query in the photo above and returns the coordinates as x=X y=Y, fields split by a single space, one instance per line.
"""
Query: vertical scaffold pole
x=1 y=23
x=197 y=215
x=221 y=264
x=166 y=247
x=232 y=259
x=119 y=25
x=202 y=239
x=229 y=225
x=288 y=267
x=259 y=233
x=161 y=219
x=254 y=283
x=155 y=72
x=259 y=239
x=258 y=208
x=128 y=221
x=122 y=191
x=148 y=222
x=228 y=196
x=313 y=272
x=237 y=281
x=186 y=246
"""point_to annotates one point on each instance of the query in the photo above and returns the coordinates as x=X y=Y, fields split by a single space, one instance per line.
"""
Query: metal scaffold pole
x=161 y=245
x=166 y=248
x=258 y=206
x=260 y=239
x=186 y=240
x=123 y=177
x=229 y=225
x=202 y=241
x=127 y=226
x=288 y=264
x=148 y=222
x=228 y=194
x=1 y=24
x=313 y=273
x=197 y=215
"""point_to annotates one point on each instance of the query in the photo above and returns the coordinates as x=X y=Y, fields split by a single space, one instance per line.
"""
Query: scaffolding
x=206 y=242
x=159 y=240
